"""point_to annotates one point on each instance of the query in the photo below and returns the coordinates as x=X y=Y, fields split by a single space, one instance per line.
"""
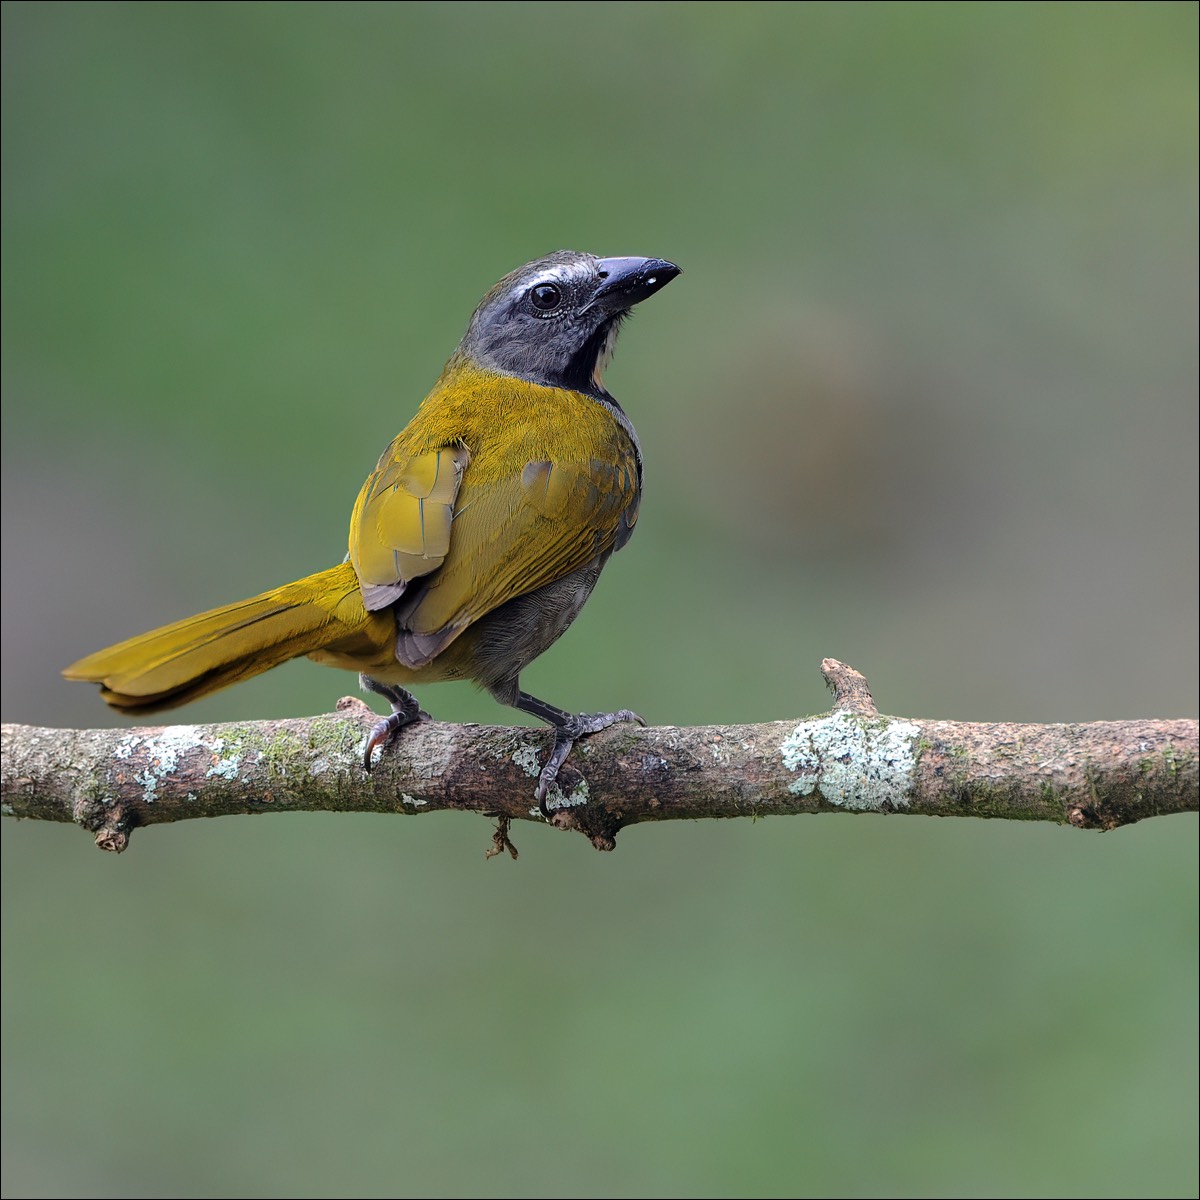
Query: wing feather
x=401 y=526
x=516 y=535
x=447 y=530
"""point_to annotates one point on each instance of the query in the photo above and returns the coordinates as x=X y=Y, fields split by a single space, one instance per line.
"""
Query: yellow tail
x=182 y=662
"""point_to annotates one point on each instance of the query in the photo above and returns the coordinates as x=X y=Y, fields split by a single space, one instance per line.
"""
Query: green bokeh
x=924 y=400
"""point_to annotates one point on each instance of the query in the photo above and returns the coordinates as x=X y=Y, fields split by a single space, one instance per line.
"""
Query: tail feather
x=179 y=663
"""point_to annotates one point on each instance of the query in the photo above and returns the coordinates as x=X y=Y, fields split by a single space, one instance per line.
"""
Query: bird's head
x=554 y=321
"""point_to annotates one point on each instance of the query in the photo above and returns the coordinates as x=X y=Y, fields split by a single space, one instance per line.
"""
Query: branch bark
x=1099 y=775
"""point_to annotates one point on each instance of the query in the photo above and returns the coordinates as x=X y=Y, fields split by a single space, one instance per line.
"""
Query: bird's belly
x=492 y=652
x=495 y=650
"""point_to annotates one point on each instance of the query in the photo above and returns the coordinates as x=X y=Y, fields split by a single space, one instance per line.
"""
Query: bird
x=476 y=540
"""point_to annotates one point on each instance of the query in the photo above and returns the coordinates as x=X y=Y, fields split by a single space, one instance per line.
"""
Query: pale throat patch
x=605 y=356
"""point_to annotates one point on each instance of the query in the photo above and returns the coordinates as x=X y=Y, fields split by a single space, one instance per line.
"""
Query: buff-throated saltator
x=475 y=541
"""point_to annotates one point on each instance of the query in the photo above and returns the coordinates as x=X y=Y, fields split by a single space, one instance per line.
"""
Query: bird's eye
x=545 y=297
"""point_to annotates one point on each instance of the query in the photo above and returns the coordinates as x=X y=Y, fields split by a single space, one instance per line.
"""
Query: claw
x=565 y=737
x=405 y=710
x=558 y=755
x=381 y=731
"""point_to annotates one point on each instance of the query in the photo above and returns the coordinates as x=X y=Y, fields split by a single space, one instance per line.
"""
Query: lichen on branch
x=1097 y=775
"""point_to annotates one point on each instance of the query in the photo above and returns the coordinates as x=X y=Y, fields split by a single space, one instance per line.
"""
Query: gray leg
x=405 y=710
x=568 y=729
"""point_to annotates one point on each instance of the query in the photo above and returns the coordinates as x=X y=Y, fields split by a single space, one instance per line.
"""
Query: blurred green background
x=924 y=400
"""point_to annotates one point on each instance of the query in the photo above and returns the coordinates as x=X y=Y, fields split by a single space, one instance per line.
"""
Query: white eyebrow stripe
x=563 y=273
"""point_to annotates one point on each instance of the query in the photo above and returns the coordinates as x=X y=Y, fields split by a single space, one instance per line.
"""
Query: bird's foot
x=565 y=736
x=405 y=710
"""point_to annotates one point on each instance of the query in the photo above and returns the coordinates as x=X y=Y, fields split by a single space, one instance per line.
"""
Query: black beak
x=625 y=282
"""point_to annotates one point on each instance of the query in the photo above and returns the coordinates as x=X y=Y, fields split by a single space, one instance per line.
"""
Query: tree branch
x=1094 y=776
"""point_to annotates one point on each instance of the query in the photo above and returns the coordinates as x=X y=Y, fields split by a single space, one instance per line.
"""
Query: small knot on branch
x=1085 y=816
x=114 y=840
x=111 y=824
x=849 y=687
x=112 y=833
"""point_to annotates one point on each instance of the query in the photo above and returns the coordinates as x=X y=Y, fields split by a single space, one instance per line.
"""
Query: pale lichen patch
x=579 y=795
x=164 y=752
x=860 y=763
x=169 y=746
x=223 y=768
x=127 y=745
x=528 y=759
x=557 y=799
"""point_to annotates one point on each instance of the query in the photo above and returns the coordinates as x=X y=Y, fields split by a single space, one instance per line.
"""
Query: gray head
x=554 y=321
